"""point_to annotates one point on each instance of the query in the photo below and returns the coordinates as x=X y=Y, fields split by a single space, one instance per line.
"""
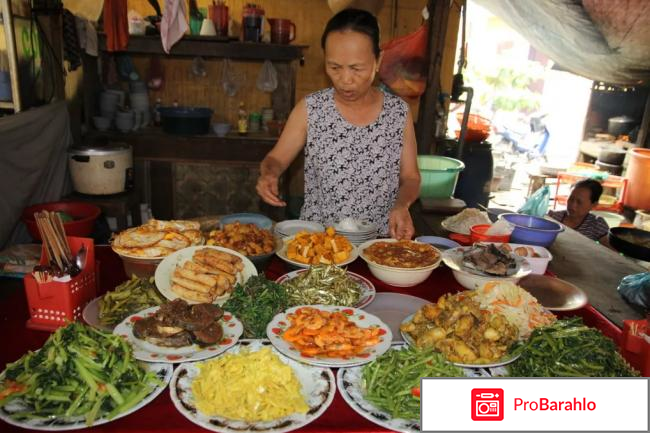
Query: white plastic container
x=538 y=264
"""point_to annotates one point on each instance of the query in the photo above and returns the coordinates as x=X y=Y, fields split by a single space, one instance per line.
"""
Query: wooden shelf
x=212 y=46
x=154 y=144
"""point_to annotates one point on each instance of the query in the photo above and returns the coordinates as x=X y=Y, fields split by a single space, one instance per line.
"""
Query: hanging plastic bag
x=228 y=79
x=403 y=65
x=267 y=80
x=635 y=289
x=537 y=204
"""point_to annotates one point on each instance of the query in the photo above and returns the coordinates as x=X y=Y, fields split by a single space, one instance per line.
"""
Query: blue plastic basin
x=532 y=230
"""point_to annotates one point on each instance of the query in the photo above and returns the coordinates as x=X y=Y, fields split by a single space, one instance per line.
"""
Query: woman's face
x=579 y=203
x=350 y=63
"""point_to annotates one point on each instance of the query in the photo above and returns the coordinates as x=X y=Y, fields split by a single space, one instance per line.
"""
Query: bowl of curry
x=400 y=263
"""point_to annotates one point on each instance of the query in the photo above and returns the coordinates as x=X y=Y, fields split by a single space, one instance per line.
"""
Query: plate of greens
x=387 y=390
x=327 y=285
x=133 y=295
x=69 y=369
x=255 y=303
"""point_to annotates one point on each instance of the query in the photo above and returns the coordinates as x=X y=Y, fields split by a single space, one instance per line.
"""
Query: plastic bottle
x=156 y=112
x=242 y=122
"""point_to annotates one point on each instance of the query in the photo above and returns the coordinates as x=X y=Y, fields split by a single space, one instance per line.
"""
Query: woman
x=359 y=142
x=583 y=199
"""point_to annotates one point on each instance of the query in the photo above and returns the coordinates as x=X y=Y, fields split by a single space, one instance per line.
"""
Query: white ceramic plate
x=291 y=227
x=280 y=323
x=453 y=258
x=166 y=268
x=506 y=359
x=318 y=388
x=163 y=372
x=90 y=314
x=392 y=308
x=282 y=253
x=445 y=225
x=145 y=351
x=368 y=291
x=349 y=381
x=350 y=384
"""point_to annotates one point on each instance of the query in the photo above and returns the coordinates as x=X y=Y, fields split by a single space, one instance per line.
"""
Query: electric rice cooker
x=101 y=170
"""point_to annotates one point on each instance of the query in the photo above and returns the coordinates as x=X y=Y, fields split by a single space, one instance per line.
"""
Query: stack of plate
x=291 y=227
x=366 y=231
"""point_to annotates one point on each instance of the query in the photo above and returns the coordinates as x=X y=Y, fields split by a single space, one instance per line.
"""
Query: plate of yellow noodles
x=252 y=387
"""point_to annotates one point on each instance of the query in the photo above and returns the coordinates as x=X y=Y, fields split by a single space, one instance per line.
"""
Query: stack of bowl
x=125 y=120
x=140 y=104
x=108 y=103
x=357 y=231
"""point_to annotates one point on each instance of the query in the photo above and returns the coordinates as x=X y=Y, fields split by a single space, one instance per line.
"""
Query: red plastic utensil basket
x=54 y=304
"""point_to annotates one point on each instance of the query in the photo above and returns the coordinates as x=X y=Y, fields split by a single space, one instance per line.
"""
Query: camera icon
x=487 y=404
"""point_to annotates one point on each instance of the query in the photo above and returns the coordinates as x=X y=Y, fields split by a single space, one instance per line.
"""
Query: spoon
x=80 y=259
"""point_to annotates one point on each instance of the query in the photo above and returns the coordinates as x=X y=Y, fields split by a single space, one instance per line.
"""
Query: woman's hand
x=400 y=224
x=267 y=188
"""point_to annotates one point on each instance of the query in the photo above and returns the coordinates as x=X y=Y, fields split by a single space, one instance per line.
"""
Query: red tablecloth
x=160 y=415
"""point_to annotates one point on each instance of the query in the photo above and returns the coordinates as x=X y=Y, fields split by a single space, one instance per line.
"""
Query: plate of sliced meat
x=179 y=332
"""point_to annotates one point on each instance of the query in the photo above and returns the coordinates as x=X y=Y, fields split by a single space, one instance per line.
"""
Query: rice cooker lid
x=111 y=149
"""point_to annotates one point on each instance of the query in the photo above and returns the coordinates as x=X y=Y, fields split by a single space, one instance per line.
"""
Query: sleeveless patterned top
x=352 y=171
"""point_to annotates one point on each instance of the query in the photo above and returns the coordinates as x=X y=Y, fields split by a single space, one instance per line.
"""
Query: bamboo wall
x=310 y=17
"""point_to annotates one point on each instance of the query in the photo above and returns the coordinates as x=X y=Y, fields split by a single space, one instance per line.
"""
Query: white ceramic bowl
x=221 y=129
x=473 y=281
x=537 y=264
x=398 y=277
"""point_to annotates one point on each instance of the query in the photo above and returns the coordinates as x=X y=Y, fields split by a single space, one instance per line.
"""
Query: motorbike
x=531 y=143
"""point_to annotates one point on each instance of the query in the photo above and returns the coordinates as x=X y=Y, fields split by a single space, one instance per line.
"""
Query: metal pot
x=631 y=242
x=101 y=170
x=612 y=155
x=620 y=125
x=616 y=170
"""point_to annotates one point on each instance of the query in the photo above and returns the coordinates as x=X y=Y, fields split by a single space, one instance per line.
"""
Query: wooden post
x=428 y=113
x=642 y=137
x=10 y=38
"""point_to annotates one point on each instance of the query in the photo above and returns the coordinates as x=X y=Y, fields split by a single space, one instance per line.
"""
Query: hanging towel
x=174 y=23
x=87 y=35
x=116 y=25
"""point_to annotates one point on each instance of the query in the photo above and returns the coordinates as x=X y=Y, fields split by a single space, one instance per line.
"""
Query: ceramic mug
x=283 y=31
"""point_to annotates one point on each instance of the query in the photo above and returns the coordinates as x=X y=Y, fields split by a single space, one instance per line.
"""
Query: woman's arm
x=399 y=221
x=289 y=144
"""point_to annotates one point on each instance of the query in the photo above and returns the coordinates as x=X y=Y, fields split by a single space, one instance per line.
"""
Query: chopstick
x=56 y=244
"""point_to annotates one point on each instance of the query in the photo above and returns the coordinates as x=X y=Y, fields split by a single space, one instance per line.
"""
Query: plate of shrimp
x=329 y=336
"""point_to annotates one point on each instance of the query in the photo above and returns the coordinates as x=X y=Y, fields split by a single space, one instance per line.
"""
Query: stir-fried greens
x=79 y=371
x=324 y=285
x=568 y=348
x=129 y=297
x=392 y=381
x=255 y=303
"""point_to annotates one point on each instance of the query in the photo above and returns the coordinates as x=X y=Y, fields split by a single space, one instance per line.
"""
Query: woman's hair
x=356 y=20
x=594 y=187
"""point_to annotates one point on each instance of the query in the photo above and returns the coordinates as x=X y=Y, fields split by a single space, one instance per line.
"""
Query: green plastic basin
x=439 y=175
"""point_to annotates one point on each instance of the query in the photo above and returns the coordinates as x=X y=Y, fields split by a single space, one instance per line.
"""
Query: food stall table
x=161 y=415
